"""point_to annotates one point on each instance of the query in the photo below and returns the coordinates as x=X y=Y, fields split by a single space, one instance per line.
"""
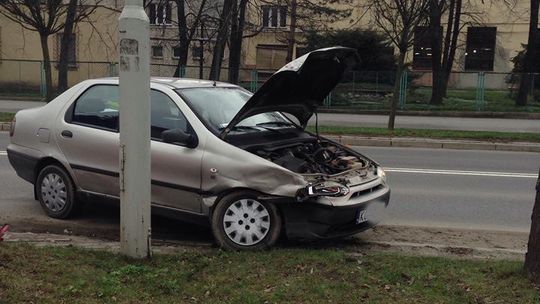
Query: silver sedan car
x=221 y=156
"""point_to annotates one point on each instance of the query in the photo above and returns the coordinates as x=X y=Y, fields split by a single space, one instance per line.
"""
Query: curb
x=466 y=114
x=411 y=142
x=172 y=247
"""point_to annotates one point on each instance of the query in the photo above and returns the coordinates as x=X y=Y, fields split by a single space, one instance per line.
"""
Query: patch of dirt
x=429 y=241
x=463 y=243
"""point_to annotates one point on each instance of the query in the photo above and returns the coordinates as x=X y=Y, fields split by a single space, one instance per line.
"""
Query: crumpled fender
x=225 y=166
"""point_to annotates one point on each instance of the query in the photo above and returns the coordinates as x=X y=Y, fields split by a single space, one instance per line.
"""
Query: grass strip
x=430 y=133
x=5 y=117
x=292 y=275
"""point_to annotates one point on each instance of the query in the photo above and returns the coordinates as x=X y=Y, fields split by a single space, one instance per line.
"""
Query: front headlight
x=381 y=173
x=327 y=189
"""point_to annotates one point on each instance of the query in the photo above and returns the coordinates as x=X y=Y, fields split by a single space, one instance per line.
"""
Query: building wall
x=97 y=42
x=21 y=51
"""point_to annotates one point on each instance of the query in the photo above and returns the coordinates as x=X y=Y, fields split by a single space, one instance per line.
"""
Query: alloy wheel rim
x=246 y=222
x=53 y=192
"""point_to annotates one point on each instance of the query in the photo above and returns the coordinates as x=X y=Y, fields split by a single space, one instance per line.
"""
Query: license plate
x=361 y=217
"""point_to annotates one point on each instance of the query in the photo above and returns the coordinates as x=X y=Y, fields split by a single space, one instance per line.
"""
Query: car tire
x=56 y=192
x=242 y=222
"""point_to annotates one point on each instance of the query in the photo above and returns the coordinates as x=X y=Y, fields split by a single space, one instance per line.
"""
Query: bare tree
x=530 y=53
x=66 y=41
x=453 y=30
x=399 y=19
x=309 y=15
x=532 y=258
x=190 y=15
x=45 y=17
x=436 y=8
x=238 y=23
x=221 y=39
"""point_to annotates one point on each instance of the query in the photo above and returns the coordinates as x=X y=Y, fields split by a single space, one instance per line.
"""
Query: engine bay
x=313 y=157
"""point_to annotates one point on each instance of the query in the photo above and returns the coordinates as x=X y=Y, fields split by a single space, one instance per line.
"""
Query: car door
x=88 y=137
x=176 y=169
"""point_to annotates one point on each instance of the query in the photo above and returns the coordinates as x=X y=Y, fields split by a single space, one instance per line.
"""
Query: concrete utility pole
x=135 y=173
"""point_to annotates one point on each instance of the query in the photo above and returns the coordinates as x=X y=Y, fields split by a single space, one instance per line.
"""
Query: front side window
x=98 y=107
x=216 y=107
x=480 y=52
x=165 y=115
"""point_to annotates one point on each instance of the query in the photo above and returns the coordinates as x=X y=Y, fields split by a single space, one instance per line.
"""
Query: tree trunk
x=454 y=23
x=182 y=37
x=436 y=42
x=532 y=258
x=221 y=40
x=291 y=41
x=397 y=88
x=46 y=66
x=235 y=50
x=530 y=55
x=64 y=47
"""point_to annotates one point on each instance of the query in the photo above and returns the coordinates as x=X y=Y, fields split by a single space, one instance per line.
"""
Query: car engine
x=312 y=157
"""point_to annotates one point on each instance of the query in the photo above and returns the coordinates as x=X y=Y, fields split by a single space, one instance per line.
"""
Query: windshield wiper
x=242 y=128
x=275 y=123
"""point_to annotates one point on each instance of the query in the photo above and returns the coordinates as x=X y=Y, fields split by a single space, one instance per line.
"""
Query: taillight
x=12 y=127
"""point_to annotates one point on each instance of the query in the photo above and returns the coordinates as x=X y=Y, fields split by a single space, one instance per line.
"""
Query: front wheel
x=241 y=222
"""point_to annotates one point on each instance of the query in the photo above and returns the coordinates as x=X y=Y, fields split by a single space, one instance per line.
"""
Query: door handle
x=67 y=134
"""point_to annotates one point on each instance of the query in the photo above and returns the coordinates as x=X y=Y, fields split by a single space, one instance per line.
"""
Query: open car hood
x=299 y=86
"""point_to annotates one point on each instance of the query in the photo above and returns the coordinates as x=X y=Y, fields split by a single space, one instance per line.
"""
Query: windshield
x=217 y=106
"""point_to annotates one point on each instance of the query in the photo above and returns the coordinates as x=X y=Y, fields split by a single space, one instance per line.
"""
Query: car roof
x=181 y=83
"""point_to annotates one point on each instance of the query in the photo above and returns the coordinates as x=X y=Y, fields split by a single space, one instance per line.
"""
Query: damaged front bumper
x=330 y=217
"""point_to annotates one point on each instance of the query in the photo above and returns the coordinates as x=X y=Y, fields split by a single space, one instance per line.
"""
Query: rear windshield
x=217 y=106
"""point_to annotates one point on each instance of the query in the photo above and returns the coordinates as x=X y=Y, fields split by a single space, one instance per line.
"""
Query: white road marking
x=458 y=172
x=3 y=153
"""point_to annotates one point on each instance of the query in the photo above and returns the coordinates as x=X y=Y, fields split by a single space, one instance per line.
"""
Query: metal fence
x=365 y=90
x=466 y=91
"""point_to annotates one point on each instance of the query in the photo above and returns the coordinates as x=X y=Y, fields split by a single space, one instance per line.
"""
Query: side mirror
x=177 y=136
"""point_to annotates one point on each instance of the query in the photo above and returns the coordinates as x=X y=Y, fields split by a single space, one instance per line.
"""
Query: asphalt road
x=413 y=122
x=12 y=106
x=430 y=187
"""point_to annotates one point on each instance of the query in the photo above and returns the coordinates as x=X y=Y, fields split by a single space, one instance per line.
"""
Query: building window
x=176 y=52
x=196 y=52
x=422 y=49
x=480 y=51
x=274 y=16
x=271 y=57
x=157 y=51
x=160 y=13
x=72 y=49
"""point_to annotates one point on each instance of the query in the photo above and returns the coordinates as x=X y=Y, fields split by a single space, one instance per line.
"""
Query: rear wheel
x=55 y=192
x=241 y=222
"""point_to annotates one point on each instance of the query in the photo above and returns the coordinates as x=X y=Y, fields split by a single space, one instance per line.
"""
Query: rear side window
x=165 y=115
x=98 y=107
